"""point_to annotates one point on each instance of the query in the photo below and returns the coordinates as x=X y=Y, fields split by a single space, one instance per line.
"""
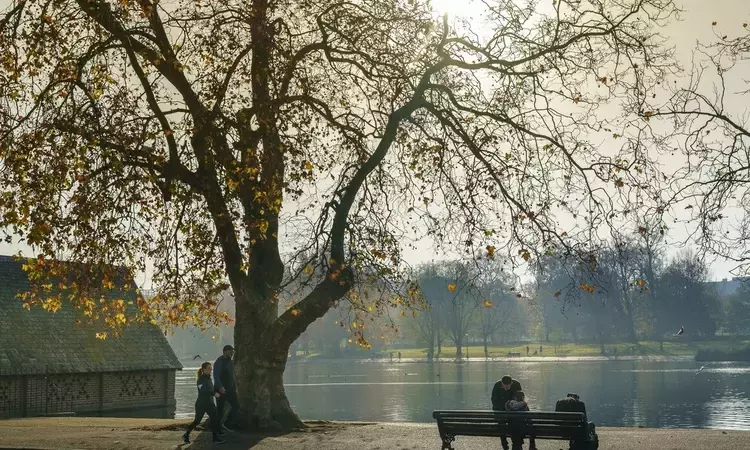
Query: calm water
x=621 y=393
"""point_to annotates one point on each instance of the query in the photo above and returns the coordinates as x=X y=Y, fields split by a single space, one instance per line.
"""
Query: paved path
x=145 y=434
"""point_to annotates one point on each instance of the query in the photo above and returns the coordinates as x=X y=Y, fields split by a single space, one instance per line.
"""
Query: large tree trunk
x=263 y=401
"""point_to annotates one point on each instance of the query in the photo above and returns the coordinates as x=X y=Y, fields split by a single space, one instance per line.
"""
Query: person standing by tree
x=226 y=386
x=503 y=392
x=205 y=405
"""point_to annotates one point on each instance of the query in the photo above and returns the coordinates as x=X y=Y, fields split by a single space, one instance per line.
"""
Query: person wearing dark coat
x=573 y=403
x=226 y=387
x=204 y=404
x=503 y=392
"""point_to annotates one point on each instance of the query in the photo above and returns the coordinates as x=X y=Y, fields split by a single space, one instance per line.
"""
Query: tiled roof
x=38 y=341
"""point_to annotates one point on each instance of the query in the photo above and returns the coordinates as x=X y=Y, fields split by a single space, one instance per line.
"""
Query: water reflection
x=617 y=393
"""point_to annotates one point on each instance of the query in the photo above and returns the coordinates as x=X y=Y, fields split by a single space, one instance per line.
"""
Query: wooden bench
x=540 y=425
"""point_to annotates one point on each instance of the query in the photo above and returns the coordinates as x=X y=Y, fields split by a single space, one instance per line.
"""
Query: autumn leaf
x=525 y=254
x=576 y=99
x=295 y=312
x=308 y=270
x=619 y=183
x=487 y=304
x=640 y=283
x=647 y=115
x=491 y=252
x=452 y=287
x=558 y=293
x=642 y=230
x=102 y=335
x=714 y=23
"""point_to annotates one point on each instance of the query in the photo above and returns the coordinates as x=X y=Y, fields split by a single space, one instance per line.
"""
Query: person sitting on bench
x=518 y=403
x=504 y=391
x=573 y=403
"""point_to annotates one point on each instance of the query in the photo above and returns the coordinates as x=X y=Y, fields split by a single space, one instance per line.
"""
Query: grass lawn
x=643 y=348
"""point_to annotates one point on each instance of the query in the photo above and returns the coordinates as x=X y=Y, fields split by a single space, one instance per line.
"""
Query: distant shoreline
x=522 y=359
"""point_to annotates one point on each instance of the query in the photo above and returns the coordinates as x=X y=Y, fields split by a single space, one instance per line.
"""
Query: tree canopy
x=223 y=141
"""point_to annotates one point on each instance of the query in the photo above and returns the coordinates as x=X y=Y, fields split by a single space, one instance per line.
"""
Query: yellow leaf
x=295 y=312
x=487 y=304
x=308 y=165
x=102 y=335
x=452 y=287
x=308 y=270
x=526 y=255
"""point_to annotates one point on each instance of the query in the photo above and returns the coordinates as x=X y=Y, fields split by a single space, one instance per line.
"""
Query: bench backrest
x=550 y=425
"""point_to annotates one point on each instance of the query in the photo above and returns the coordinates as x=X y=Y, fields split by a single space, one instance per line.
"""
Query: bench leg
x=447 y=440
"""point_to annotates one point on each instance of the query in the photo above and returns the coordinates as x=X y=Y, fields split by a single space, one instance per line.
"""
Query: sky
x=695 y=25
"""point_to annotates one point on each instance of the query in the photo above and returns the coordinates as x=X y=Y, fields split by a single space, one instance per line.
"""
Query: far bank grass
x=643 y=348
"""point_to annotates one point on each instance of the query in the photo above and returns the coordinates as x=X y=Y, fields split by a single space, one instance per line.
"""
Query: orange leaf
x=452 y=287
x=487 y=304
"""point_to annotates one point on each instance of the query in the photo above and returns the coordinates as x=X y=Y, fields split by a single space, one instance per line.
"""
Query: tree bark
x=263 y=401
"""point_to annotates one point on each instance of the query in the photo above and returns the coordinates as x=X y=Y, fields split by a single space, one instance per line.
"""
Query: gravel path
x=150 y=434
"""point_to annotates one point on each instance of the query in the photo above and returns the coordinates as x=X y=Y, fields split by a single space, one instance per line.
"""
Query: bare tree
x=210 y=138
x=703 y=126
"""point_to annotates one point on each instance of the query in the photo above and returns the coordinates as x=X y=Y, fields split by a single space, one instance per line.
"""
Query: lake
x=617 y=393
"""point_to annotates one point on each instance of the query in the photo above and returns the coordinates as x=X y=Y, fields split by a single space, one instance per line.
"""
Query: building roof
x=38 y=341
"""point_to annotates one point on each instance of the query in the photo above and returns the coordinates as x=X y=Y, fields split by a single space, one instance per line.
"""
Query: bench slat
x=564 y=416
x=506 y=419
x=541 y=432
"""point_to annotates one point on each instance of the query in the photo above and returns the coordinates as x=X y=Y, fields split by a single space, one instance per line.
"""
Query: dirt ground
x=156 y=434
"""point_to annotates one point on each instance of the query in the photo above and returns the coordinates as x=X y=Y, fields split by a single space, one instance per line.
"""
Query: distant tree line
x=632 y=292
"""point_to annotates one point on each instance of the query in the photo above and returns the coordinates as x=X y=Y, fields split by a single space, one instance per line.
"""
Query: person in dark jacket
x=504 y=391
x=226 y=386
x=205 y=404
x=518 y=404
x=573 y=403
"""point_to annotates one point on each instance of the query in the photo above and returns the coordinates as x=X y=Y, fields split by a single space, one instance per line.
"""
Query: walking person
x=204 y=404
x=503 y=392
x=226 y=385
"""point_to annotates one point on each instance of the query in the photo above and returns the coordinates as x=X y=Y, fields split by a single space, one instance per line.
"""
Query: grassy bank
x=644 y=348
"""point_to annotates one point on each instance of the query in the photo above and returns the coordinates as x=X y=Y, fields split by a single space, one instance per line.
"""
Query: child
x=205 y=404
x=519 y=404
